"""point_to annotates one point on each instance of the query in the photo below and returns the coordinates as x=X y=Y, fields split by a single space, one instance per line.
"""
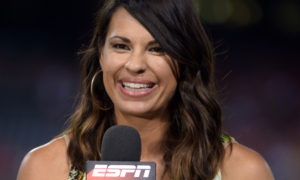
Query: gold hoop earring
x=93 y=80
x=106 y=101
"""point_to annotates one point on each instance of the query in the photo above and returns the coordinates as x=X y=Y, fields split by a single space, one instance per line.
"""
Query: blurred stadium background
x=258 y=53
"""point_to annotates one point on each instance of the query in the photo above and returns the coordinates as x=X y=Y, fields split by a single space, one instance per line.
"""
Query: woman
x=149 y=65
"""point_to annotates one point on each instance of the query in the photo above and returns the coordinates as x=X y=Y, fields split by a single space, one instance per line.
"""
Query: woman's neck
x=152 y=131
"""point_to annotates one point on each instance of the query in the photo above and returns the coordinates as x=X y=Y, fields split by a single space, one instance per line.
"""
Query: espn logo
x=113 y=171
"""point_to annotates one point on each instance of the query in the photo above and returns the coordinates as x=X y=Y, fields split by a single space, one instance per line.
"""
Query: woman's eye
x=120 y=46
x=157 y=50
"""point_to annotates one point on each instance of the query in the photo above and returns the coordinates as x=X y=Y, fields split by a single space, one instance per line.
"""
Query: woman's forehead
x=124 y=24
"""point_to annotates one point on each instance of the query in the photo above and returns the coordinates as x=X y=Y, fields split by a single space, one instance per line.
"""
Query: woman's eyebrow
x=128 y=41
x=152 y=42
x=119 y=37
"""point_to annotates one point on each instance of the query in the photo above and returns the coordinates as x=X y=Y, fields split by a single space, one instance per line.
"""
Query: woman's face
x=136 y=73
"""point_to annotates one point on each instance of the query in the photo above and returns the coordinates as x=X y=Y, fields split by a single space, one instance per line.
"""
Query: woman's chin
x=142 y=112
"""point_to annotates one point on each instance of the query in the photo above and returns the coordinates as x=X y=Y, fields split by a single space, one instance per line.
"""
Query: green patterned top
x=76 y=174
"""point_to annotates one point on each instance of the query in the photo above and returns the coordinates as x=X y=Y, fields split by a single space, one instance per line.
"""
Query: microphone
x=120 y=157
x=121 y=143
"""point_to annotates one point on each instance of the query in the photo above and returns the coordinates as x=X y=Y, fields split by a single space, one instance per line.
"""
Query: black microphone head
x=121 y=143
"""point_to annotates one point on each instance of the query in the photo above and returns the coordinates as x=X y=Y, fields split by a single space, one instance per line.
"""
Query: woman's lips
x=136 y=87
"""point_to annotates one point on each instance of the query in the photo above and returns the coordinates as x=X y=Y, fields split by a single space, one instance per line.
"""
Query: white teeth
x=129 y=85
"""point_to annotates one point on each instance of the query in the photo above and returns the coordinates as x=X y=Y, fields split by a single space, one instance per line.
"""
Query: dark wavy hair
x=193 y=147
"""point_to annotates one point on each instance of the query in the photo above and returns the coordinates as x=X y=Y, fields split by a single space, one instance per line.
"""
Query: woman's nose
x=136 y=63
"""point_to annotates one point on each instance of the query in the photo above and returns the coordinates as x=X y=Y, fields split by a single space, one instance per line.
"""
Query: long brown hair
x=193 y=149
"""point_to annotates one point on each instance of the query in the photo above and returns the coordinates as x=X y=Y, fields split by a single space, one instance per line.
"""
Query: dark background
x=257 y=43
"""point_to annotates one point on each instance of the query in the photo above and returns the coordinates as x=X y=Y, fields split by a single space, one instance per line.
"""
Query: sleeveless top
x=76 y=174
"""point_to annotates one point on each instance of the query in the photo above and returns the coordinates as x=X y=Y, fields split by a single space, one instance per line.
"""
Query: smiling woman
x=150 y=65
x=136 y=72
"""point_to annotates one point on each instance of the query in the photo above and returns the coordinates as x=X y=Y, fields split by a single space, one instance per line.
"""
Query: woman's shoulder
x=48 y=161
x=240 y=162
